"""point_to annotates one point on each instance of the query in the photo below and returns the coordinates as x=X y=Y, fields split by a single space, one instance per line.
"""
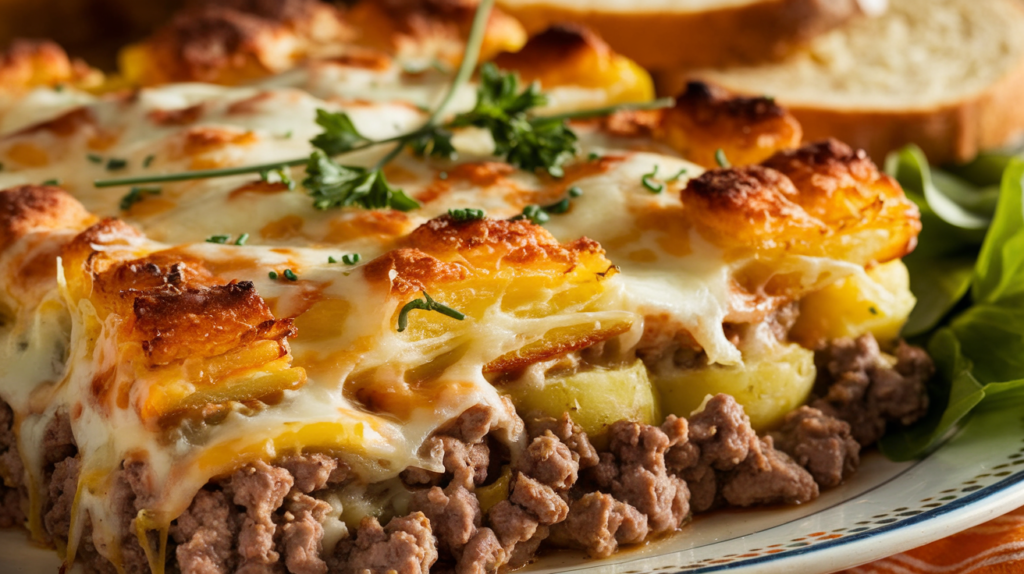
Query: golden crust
x=232 y=41
x=706 y=119
x=174 y=324
x=570 y=55
x=30 y=208
x=424 y=29
x=822 y=199
x=33 y=63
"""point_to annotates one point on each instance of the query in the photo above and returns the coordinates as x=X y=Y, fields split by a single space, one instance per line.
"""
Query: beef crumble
x=269 y=517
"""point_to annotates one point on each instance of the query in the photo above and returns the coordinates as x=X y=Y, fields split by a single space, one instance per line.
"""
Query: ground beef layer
x=562 y=492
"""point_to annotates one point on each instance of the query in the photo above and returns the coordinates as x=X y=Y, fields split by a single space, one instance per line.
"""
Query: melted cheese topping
x=61 y=344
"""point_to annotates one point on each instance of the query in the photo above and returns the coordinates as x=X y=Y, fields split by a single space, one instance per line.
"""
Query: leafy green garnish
x=340 y=134
x=980 y=354
x=335 y=185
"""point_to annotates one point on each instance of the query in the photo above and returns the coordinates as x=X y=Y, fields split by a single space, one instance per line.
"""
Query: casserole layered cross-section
x=230 y=374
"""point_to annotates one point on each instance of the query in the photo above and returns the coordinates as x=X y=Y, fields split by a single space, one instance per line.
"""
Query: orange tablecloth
x=995 y=547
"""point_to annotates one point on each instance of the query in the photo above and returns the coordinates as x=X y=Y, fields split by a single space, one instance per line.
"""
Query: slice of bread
x=947 y=75
x=669 y=34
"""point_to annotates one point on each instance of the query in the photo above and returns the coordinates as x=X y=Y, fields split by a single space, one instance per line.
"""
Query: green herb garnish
x=149 y=160
x=116 y=163
x=136 y=195
x=290 y=275
x=467 y=214
x=272 y=275
x=647 y=181
x=53 y=181
x=720 y=158
x=94 y=158
x=574 y=191
x=351 y=258
x=425 y=304
x=242 y=239
x=218 y=239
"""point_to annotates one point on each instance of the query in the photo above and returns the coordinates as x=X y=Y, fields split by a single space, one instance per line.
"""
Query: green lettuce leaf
x=980 y=356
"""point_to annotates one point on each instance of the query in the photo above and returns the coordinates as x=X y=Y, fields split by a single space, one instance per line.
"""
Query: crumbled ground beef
x=820 y=443
x=405 y=546
x=598 y=523
x=12 y=480
x=768 y=476
x=261 y=489
x=205 y=535
x=269 y=518
x=857 y=385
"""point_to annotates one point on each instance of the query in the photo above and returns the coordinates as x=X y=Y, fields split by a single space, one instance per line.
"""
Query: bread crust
x=759 y=31
x=947 y=133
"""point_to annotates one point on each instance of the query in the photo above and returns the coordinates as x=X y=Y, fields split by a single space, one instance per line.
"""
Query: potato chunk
x=768 y=384
x=594 y=399
x=877 y=302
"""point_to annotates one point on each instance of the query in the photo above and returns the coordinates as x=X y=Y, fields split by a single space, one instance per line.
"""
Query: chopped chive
x=272 y=275
x=558 y=208
x=116 y=163
x=678 y=175
x=58 y=88
x=287 y=135
x=720 y=158
x=242 y=239
x=136 y=195
x=574 y=191
x=425 y=304
x=351 y=258
x=331 y=259
x=95 y=158
x=53 y=181
x=290 y=275
x=873 y=310
x=593 y=156
x=149 y=160
x=535 y=214
x=218 y=239
x=467 y=214
x=650 y=185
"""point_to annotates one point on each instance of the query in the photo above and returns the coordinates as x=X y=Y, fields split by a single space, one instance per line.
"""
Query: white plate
x=885 y=509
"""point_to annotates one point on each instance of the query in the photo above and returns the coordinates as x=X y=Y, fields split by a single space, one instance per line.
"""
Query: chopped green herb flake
x=148 y=161
x=425 y=304
x=335 y=185
x=593 y=156
x=54 y=181
x=340 y=134
x=331 y=259
x=242 y=239
x=652 y=186
x=351 y=258
x=116 y=163
x=467 y=214
x=282 y=176
x=720 y=158
x=574 y=191
x=290 y=275
x=558 y=207
x=678 y=175
x=873 y=310
x=94 y=158
x=218 y=239
x=287 y=135
x=534 y=213
x=272 y=275
x=136 y=195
